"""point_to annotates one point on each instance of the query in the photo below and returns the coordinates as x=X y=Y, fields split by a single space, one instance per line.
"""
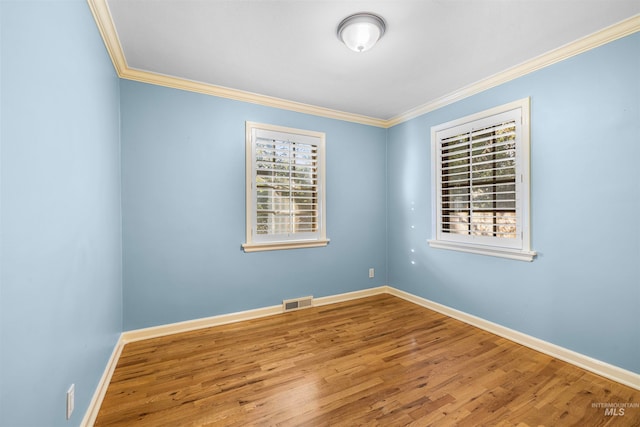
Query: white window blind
x=481 y=195
x=285 y=187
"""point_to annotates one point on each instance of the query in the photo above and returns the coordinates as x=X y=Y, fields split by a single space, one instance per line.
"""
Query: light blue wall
x=183 y=207
x=583 y=290
x=61 y=278
x=61 y=274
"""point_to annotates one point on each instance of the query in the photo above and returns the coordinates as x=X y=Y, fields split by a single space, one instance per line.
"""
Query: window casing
x=480 y=173
x=285 y=191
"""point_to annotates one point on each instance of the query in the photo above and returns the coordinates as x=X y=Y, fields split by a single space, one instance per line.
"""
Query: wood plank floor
x=373 y=361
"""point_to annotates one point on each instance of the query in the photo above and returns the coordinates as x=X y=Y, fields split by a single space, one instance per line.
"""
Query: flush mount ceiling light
x=361 y=31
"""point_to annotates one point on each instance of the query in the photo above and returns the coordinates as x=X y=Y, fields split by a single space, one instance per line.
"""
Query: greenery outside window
x=285 y=190
x=480 y=171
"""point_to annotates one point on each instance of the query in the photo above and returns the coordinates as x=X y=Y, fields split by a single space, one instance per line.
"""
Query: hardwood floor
x=373 y=361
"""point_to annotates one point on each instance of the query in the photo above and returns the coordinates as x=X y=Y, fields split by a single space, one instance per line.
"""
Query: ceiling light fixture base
x=360 y=31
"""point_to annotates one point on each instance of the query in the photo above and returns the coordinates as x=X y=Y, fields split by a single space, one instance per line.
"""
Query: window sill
x=276 y=246
x=516 y=254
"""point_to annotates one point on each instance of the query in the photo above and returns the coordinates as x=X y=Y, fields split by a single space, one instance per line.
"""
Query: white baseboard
x=598 y=367
x=223 y=319
x=192 y=325
x=96 y=401
x=349 y=296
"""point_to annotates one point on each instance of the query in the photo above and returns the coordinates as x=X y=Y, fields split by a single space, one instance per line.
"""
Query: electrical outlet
x=70 y=400
x=372 y=273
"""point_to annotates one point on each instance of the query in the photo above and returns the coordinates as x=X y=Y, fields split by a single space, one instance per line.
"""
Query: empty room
x=282 y=212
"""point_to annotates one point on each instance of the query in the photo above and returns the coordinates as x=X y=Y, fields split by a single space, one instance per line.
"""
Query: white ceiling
x=288 y=49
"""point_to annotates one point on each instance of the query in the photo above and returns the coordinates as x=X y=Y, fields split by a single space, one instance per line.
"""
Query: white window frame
x=518 y=247
x=290 y=239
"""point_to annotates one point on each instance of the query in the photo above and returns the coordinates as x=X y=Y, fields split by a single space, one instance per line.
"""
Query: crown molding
x=239 y=95
x=103 y=18
x=604 y=36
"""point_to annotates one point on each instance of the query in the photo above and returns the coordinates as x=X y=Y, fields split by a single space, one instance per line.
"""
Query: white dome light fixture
x=359 y=32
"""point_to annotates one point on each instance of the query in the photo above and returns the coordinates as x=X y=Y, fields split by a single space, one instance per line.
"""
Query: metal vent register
x=297 y=304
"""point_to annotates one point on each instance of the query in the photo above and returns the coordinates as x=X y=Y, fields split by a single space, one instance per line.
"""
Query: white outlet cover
x=70 y=400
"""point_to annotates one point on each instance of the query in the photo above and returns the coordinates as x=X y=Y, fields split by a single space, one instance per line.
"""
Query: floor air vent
x=297 y=304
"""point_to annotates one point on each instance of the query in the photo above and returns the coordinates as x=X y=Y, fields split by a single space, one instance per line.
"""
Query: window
x=480 y=167
x=285 y=188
